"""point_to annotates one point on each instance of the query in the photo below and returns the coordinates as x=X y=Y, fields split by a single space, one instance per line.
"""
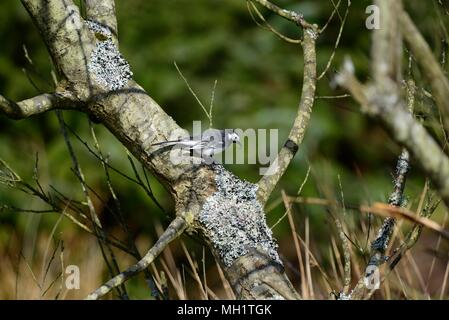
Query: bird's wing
x=211 y=141
x=170 y=142
x=198 y=145
x=190 y=144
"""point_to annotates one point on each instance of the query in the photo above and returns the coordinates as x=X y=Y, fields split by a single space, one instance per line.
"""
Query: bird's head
x=234 y=137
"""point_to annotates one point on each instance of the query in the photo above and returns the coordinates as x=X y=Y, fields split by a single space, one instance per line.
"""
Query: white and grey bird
x=211 y=141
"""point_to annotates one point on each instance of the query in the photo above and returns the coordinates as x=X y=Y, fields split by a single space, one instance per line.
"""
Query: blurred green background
x=258 y=86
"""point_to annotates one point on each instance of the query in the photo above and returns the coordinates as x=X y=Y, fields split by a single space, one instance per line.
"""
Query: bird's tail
x=167 y=143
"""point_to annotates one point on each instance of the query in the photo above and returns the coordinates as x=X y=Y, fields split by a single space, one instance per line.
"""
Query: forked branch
x=293 y=16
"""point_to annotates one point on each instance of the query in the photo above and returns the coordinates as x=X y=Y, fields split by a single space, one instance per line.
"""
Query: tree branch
x=396 y=199
x=295 y=17
x=174 y=230
x=36 y=105
x=380 y=244
x=296 y=135
x=428 y=63
x=386 y=51
x=103 y=12
x=390 y=110
x=67 y=37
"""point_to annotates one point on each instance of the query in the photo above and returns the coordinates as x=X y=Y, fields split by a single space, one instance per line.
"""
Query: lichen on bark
x=106 y=64
x=233 y=219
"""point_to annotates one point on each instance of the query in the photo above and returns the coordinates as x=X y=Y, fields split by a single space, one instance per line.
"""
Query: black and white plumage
x=211 y=141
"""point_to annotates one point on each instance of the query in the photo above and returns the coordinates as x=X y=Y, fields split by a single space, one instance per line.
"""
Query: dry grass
x=34 y=272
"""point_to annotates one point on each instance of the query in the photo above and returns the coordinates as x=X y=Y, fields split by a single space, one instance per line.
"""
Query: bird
x=209 y=143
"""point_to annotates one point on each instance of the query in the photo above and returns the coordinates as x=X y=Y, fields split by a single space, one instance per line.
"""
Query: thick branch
x=103 y=12
x=174 y=230
x=386 y=51
x=288 y=151
x=67 y=38
x=428 y=63
x=129 y=112
x=407 y=131
x=255 y=277
x=35 y=105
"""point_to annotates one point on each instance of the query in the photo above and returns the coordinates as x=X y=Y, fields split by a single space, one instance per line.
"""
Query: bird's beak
x=239 y=143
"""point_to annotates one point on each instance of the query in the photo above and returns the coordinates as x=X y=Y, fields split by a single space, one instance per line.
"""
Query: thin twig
x=174 y=230
x=97 y=227
x=295 y=17
x=337 y=42
x=252 y=7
